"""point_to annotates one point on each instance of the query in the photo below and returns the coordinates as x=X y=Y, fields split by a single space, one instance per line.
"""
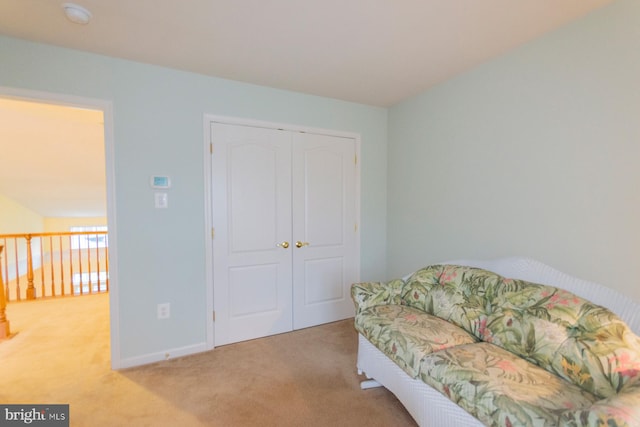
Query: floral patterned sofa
x=507 y=351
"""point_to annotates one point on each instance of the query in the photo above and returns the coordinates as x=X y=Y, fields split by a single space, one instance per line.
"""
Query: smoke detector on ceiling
x=77 y=14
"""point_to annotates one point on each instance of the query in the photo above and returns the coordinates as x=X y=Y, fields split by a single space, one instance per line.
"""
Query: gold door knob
x=284 y=245
x=300 y=244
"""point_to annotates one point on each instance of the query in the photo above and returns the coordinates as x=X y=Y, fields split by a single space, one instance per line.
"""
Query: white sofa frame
x=427 y=405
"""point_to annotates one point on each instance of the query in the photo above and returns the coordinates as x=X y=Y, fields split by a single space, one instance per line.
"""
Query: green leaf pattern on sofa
x=452 y=293
x=592 y=353
x=571 y=337
x=500 y=388
x=621 y=410
x=371 y=294
x=602 y=360
x=406 y=334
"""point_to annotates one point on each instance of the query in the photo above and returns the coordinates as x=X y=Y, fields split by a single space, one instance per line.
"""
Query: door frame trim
x=106 y=107
x=208 y=208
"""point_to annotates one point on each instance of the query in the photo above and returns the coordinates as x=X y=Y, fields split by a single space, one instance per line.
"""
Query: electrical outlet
x=164 y=311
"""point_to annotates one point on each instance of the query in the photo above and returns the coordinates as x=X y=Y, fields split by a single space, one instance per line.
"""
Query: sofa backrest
x=580 y=341
x=534 y=271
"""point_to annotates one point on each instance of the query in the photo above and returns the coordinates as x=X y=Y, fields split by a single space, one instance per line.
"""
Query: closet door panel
x=323 y=279
x=254 y=204
x=251 y=185
x=323 y=193
x=324 y=173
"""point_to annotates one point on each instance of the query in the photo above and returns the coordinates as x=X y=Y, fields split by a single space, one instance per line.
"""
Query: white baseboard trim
x=162 y=355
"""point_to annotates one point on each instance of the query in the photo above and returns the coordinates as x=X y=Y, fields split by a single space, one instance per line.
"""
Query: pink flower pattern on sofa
x=547 y=357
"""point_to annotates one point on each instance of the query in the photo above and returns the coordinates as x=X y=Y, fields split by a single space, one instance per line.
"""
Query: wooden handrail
x=75 y=256
x=4 y=323
x=61 y=233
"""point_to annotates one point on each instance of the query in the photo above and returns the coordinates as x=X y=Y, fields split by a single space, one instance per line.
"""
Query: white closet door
x=251 y=186
x=324 y=227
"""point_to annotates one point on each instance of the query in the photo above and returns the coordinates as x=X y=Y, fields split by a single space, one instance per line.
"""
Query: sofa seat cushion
x=406 y=334
x=500 y=388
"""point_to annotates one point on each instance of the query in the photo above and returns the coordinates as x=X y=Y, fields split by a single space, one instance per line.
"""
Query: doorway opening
x=57 y=175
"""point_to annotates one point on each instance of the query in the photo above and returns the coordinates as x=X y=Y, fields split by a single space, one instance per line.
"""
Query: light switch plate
x=161 y=200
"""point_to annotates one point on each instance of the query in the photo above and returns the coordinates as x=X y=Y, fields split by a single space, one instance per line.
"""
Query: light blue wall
x=535 y=153
x=158 y=129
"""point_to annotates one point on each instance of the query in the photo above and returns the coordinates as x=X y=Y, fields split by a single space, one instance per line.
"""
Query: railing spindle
x=53 y=278
x=80 y=266
x=4 y=323
x=61 y=267
x=98 y=261
x=6 y=270
x=15 y=246
x=72 y=291
x=89 y=264
x=31 y=289
x=42 y=269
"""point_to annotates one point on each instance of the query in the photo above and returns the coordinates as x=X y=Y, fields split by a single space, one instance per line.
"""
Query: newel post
x=31 y=289
x=4 y=323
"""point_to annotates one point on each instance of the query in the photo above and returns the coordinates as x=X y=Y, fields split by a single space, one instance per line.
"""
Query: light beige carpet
x=60 y=354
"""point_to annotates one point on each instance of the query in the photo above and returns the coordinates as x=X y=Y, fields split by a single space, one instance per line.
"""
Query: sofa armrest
x=370 y=294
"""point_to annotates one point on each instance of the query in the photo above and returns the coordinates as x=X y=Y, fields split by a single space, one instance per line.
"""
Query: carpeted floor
x=302 y=378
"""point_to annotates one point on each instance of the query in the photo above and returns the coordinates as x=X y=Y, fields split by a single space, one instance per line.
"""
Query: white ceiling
x=375 y=52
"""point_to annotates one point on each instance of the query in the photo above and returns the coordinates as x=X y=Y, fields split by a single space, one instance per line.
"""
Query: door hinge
x=214 y=316
x=211 y=147
x=213 y=232
x=355 y=159
x=355 y=227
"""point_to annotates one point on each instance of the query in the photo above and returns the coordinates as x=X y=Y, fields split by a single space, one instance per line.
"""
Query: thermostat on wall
x=159 y=181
